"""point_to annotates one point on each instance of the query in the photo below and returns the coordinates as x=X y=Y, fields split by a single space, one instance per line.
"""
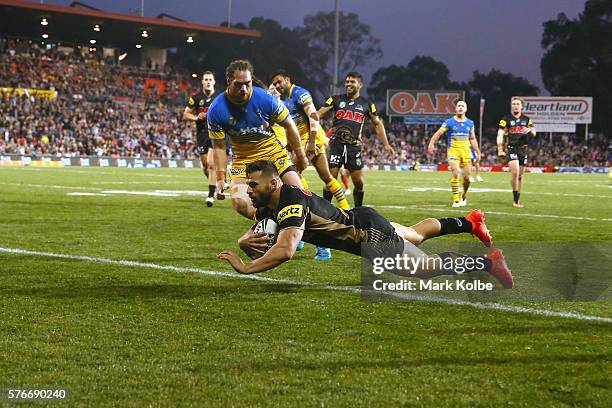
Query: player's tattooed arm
x=313 y=118
x=295 y=143
x=282 y=251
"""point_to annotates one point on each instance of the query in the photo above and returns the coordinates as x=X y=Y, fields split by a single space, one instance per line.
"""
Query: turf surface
x=135 y=335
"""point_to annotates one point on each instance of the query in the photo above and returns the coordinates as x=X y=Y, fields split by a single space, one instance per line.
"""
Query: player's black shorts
x=382 y=239
x=204 y=143
x=347 y=155
x=517 y=153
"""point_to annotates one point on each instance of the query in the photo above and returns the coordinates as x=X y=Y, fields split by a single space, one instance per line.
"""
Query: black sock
x=327 y=195
x=470 y=263
x=358 y=196
x=211 y=191
x=516 y=195
x=454 y=226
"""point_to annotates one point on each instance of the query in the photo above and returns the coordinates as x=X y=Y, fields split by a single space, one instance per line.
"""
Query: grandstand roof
x=75 y=24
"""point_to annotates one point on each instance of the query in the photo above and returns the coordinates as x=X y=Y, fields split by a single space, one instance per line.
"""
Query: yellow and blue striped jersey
x=295 y=102
x=249 y=125
x=458 y=131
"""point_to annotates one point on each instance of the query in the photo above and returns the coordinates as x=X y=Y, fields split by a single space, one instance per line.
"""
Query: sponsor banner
x=94 y=161
x=555 y=127
x=559 y=109
x=428 y=167
x=585 y=170
x=503 y=168
x=422 y=106
x=37 y=93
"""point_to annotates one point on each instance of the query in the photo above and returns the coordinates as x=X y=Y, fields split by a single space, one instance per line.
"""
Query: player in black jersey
x=350 y=111
x=302 y=215
x=513 y=137
x=196 y=111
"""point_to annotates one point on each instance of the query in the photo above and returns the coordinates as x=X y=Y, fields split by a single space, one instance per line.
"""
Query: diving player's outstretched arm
x=281 y=252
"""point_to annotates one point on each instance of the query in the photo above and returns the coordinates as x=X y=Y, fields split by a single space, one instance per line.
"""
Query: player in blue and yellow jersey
x=246 y=115
x=302 y=109
x=460 y=138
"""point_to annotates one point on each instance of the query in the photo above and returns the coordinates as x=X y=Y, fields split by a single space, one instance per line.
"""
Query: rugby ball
x=267 y=226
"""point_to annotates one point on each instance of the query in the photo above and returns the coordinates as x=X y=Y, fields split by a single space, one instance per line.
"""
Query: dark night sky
x=466 y=35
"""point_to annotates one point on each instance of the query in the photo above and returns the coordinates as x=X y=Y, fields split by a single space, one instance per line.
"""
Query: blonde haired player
x=460 y=137
x=246 y=115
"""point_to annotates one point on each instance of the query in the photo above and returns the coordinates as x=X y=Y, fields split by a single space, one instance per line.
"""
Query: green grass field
x=176 y=332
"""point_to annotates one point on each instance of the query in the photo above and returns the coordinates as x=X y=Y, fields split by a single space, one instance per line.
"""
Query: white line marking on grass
x=424 y=298
x=51 y=186
x=88 y=194
x=503 y=190
x=514 y=214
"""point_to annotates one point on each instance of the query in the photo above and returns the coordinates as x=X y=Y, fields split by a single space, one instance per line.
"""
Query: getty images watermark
x=427 y=267
x=543 y=271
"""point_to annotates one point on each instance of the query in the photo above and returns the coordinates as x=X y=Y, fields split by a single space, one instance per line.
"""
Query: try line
x=424 y=298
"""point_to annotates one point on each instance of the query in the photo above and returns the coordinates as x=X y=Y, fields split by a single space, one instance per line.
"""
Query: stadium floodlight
x=189 y=39
x=44 y=22
x=92 y=41
x=45 y=36
x=122 y=56
x=138 y=46
x=97 y=27
x=144 y=34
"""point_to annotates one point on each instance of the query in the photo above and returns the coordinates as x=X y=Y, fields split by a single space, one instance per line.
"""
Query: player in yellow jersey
x=460 y=137
x=301 y=107
x=246 y=115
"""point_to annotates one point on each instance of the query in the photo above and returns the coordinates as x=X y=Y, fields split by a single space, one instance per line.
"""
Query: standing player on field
x=301 y=107
x=512 y=141
x=247 y=114
x=350 y=111
x=196 y=111
x=460 y=138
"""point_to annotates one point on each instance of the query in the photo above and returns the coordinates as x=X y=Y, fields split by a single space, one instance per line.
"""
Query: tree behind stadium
x=578 y=58
x=421 y=72
x=357 y=47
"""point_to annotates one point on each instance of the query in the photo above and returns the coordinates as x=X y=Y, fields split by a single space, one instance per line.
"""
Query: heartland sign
x=419 y=106
x=559 y=109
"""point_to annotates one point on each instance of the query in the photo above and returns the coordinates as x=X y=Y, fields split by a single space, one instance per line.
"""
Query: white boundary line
x=514 y=214
x=424 y=298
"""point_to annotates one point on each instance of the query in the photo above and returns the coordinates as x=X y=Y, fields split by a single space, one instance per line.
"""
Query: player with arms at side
x=350 y=111
x=460 y=138
x=247 y=114
x=196 y=111
x=302 y=215
x=513 y=137
x=301 y=107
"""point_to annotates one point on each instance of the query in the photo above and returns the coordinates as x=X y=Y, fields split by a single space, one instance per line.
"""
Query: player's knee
x=358 y=185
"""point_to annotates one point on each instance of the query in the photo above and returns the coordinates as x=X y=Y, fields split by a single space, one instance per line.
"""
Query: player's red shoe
x=499 y=268
x=517 y=204
x=479 y=228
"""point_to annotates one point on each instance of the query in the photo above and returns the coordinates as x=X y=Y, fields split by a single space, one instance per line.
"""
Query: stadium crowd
x=103 y=109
